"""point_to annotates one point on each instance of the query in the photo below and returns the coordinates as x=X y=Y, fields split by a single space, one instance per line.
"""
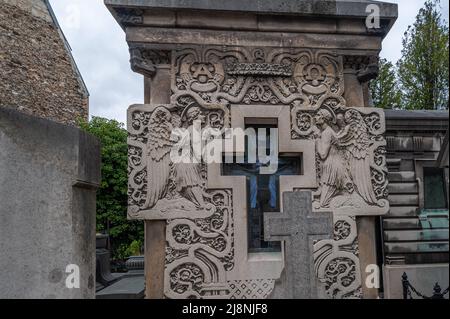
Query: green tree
x=384 y=89
x=423 y=67
x=112 y=195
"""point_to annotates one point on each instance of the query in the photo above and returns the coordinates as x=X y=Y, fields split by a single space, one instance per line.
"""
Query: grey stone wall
x=49 y=173
x=38 y=75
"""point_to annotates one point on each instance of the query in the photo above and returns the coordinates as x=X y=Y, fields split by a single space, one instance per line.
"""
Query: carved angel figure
x=354 y=140
x=188 y=175
x=335 y=177
x=161 y=171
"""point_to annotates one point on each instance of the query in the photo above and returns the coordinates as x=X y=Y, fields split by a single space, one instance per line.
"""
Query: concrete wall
x=38 y=75
x=421 y=277
x=49 y=173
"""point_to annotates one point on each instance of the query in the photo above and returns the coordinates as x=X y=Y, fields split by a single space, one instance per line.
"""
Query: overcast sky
x=99 y=48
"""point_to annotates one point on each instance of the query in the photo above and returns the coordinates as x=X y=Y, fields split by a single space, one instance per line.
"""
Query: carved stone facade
x=212 y=84
x=301 y=82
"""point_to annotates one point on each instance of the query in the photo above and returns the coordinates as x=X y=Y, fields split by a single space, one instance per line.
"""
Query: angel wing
x=355 y=136
x=355 y=141
x=158 y=156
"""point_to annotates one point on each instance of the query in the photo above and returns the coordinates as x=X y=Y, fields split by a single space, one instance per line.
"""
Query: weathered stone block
x=49 y=173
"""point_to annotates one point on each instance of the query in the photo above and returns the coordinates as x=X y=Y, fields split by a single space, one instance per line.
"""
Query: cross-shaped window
x=263 y=190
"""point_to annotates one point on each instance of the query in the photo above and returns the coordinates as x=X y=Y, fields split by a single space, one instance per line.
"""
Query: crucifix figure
x=263 y=192
x=298 y=227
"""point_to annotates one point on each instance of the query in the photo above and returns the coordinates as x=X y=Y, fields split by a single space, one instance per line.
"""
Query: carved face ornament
x=315 y=74
x=195 y=113
x=203 y=77
x=322 y=117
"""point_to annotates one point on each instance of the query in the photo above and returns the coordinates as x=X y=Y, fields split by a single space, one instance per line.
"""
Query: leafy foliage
x=126 y=236
x=384 y=89
x=423 y=68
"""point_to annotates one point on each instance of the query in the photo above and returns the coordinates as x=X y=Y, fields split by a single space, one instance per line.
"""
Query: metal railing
x=409 y=289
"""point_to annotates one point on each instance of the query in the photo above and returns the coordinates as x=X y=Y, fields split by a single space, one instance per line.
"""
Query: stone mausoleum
x=316 y=226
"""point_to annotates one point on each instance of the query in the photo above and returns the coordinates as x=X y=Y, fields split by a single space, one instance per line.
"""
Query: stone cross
x=298 y=227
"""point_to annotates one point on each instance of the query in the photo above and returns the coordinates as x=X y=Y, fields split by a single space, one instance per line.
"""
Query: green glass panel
x=434 y=188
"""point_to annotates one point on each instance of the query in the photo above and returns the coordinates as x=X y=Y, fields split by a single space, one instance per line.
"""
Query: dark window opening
x=263 y=191
x=435 y=193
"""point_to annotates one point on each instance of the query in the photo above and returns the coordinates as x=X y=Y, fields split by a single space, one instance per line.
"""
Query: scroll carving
x=274 y=76
x=337 y=262
x=199 y=252
x=144 y=61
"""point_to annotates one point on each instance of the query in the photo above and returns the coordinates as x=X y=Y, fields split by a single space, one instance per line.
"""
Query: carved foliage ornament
x=337 y=262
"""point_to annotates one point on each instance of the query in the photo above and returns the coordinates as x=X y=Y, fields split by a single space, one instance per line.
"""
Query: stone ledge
x=341 y=8
x=336 y=16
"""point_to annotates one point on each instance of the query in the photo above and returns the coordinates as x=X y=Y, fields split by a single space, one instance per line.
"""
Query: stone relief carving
x=206 y=82
x=366 y=67
x=352 y=178
x=350 y=149
x=337 y=262
x=158 y=187
x=199 y=252
x=251 y=289
x=240 y=75
x=200 y=231
x=144 y=61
